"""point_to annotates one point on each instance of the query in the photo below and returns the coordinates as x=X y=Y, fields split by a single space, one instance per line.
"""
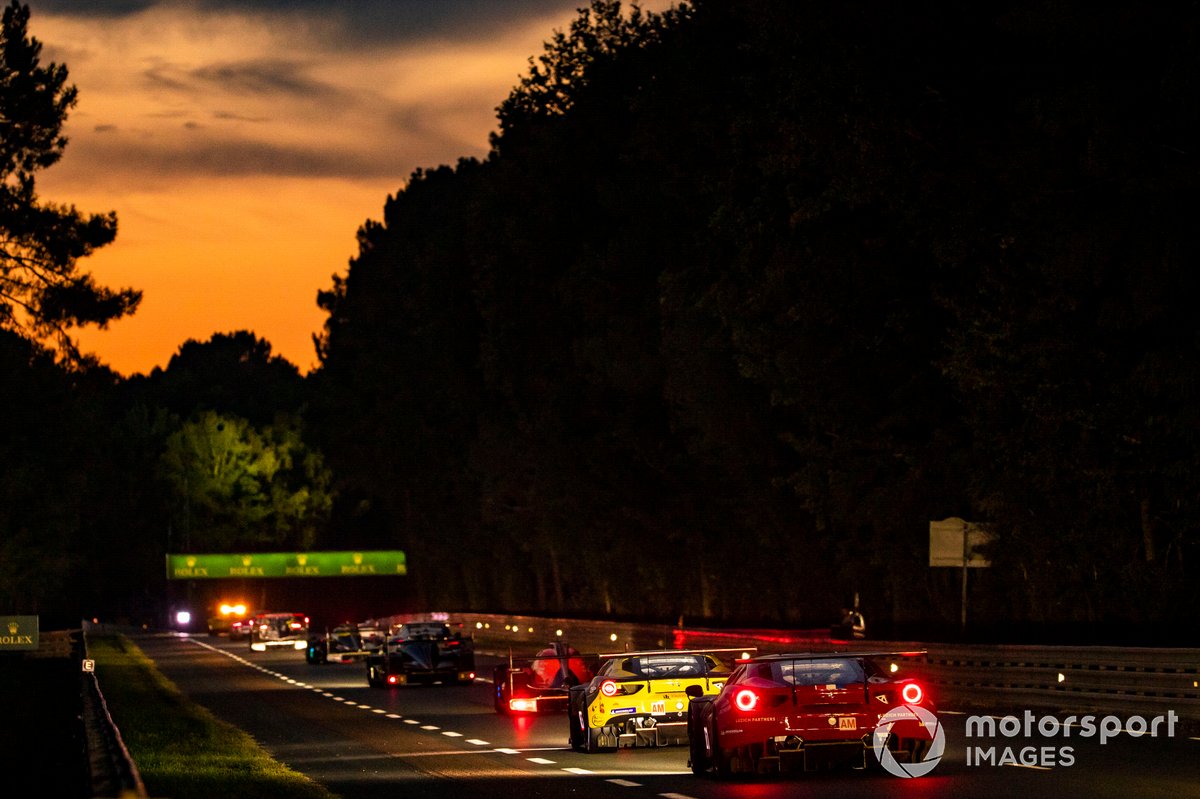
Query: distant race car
x=541 y=683
x=426 y=651
x=641 y=698
x=228 y=618
x=804 y=712
x=346 y=643
x=270 y=630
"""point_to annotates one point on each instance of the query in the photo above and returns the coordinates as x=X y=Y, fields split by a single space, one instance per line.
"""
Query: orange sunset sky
x=242 y=144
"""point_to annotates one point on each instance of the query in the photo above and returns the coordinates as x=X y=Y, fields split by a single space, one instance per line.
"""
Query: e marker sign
x=374 y=563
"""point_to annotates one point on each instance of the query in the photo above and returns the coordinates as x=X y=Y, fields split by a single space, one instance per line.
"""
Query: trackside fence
x=1128 y=680
x=1115 y=679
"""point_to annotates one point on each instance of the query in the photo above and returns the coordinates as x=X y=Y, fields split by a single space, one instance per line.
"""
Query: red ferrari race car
x=540 y=684
x=803 y=712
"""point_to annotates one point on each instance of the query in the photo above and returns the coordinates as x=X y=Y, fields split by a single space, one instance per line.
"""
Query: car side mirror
x=694 y=691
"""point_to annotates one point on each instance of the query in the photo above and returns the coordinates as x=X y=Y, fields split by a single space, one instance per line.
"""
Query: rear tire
x=593 y=740
x=697 y=749
x=722 y=762
x=575 y=732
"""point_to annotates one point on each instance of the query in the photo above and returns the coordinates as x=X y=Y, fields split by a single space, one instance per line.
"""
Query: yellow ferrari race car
x=640 y=698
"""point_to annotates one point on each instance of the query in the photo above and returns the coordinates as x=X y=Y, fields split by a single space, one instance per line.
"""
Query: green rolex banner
x=18 y=633
x=367 y=563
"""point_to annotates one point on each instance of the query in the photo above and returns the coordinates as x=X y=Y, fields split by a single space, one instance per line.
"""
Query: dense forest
x=743 y=296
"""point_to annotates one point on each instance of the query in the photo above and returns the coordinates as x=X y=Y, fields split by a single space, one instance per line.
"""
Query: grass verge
x=181 y=749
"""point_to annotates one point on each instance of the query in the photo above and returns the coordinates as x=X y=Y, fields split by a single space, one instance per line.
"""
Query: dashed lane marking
x=541 y=761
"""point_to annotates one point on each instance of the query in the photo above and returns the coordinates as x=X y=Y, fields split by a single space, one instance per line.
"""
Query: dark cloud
x=364 y=23
x=273 y=77
x=276 y=80
x=231 y=116
x=196 y=151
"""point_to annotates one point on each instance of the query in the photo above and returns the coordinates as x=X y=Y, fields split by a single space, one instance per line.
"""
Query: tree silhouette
x=43 y=294
x=231 y=373
x=763 y=288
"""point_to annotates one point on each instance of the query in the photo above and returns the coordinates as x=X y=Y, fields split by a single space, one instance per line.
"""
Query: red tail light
x=912 y=693
x=746 y=700
x=608 y=688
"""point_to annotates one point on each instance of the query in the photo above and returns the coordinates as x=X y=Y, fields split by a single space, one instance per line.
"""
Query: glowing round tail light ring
x=608 y=688
x=746 y=700
x=912 y=693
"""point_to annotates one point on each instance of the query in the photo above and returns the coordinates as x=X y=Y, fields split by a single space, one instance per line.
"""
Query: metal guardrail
x=1069 y=678
x=113 y=772
x=1073 y=678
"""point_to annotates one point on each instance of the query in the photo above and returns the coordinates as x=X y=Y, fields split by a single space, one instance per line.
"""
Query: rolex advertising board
x=366 y=563
x=18 y=633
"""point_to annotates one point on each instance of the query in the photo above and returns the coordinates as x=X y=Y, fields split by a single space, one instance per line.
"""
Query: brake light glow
x=523 y=705
x=912 y=693
x=746 y=700
x=392 y=679
x=608 y=688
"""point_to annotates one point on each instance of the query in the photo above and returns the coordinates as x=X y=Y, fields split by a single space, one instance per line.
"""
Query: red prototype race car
x=803 y=712
x=540 y=684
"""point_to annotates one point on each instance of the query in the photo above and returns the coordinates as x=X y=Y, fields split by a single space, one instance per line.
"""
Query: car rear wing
x=843 y=653
x=744 y=652
x=741 y=649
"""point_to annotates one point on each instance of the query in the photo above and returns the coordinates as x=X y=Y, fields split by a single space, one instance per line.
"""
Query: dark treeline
x=102 y=476
x=743 y=296
x=746 y=294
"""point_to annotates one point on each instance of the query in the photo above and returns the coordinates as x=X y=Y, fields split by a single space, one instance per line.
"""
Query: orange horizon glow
x=242 y=147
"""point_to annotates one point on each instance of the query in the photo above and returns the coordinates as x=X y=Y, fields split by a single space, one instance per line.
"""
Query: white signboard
x=946 y=543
